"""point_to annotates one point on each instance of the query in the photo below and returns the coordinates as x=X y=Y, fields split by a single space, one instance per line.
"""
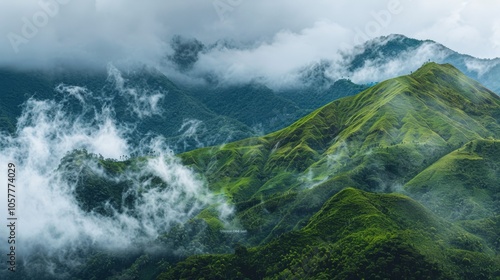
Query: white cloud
x=276 y=61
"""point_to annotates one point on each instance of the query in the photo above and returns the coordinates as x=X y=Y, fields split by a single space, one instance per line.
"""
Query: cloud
x=387 y=67
x=277 y=60
x=53 y=219
x=93 y=32
x=466 y=27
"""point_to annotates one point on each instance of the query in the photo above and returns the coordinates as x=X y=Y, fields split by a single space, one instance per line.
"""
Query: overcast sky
x=39 y=31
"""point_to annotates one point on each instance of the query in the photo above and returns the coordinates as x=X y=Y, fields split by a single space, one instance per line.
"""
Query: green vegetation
x=391 y=137
x=377 y=140
x=177 y=106
x=252 y=104
x=317 y=199
x=210 y=115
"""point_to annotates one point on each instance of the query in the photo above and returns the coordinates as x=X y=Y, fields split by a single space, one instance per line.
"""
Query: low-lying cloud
x=52 y=223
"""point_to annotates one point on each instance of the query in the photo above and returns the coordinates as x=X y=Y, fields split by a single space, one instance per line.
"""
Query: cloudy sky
x=37 y=32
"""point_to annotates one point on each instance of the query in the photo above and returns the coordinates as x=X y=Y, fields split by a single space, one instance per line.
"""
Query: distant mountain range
x=144 y=99
x=398 y=51
x=371 y=62
x=194 y=116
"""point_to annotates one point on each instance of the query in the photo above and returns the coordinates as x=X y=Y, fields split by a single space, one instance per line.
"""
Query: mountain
x=316 y=199
x=185 y=121
x=143 y=98
x=377 y=140
x=267 y=110
x=320 y=82
x=463 y=184
x=254 y=104
x=430 y=134
x=317 y=94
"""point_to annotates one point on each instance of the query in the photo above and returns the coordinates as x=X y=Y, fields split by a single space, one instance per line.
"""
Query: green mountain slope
x=190 y=117
x=377 y=140
x=356 y=235
x=268 y=110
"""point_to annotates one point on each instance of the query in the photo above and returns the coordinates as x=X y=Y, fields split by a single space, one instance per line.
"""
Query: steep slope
x=149 y=99
x=356 y=235
x=267 y=110
x=377 y=140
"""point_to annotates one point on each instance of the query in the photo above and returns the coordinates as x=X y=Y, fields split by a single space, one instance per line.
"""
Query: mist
x=52 y=222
